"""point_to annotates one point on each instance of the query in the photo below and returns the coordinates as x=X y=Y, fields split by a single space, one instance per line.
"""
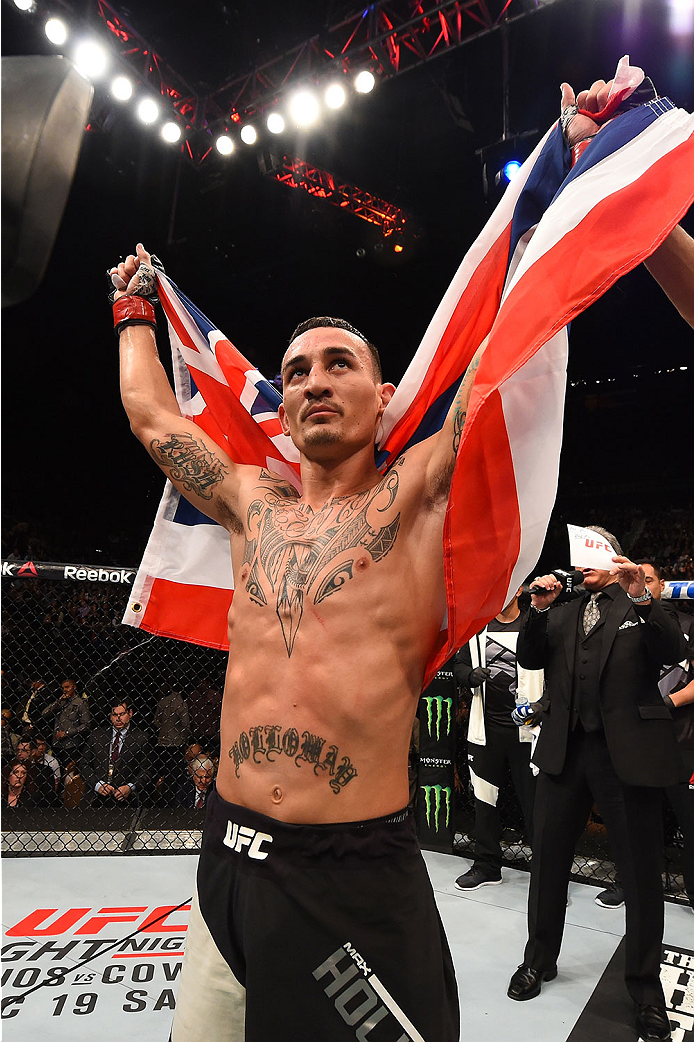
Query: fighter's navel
x=276 y=794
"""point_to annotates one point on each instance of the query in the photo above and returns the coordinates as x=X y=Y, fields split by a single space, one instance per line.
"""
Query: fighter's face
x=331 y=397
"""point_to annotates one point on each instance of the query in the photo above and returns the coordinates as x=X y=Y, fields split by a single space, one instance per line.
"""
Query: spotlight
x=304 y=108
x=511 y=169
x=248 y=134
x=24 y=5
x=224 y=145
x=122 y=88
x=398 y=248
x=335 y=96
x=91 y=59
x=275 y=123
x=56 y=31
x=171 y=132
x=681 y=21
x=148 y=111
x=365 y=82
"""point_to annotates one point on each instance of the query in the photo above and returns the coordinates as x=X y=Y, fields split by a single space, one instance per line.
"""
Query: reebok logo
x=239 y=837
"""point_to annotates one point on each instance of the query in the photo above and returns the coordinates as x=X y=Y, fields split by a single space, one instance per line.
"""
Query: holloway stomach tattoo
x=269 y=743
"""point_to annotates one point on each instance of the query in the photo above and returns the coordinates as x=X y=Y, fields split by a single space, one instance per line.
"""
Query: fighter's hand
x=122 y=792
x=134 y=275
x=552 y=587
x=631 y=577
x=578 y=127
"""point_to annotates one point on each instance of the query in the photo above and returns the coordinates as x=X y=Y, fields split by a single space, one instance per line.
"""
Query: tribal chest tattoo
x=293 y=553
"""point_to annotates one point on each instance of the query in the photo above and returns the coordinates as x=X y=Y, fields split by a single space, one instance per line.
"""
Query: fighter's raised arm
x=196 y=465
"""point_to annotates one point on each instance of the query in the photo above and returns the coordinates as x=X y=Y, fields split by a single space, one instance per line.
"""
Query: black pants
x=681 y=798
x=633 y=818
x=488 y=765
x=326 y=932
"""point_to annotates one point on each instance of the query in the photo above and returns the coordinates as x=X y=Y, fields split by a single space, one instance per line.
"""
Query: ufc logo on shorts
x=240 y=836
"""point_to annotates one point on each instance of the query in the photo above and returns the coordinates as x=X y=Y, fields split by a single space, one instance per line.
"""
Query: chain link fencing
x=57 y=630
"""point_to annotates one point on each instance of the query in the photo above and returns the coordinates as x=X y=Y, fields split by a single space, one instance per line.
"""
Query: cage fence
x=57 y=630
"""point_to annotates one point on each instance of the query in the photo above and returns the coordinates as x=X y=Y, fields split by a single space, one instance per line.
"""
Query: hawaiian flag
x=557 y=241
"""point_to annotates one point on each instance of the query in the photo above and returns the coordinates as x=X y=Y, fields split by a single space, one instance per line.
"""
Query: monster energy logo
x=440 y=703
x=440 y=794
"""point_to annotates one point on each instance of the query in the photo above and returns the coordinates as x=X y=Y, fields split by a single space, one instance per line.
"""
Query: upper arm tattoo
x=460 y=409
x=190 y=463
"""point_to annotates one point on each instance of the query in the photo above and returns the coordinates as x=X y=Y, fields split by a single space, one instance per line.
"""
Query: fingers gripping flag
x=557 y=241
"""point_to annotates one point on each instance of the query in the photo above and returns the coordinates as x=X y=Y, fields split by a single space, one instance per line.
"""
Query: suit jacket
x=134 y=764
x=637 y=723
x=187 y=794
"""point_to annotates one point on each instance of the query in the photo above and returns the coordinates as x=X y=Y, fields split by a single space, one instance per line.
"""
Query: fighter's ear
x=387 y=392
x=282 y=413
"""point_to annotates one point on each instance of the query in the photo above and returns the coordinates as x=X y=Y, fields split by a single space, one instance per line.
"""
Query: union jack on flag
x=559 y=238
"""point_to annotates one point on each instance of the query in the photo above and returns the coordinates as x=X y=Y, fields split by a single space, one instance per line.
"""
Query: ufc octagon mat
x=118 y=924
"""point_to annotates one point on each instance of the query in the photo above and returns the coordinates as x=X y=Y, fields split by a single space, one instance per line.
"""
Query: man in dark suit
x=117 y=759
x=607 y=737
x=197 y=787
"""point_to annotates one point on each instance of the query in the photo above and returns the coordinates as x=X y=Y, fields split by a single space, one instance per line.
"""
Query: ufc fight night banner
x=436 y=714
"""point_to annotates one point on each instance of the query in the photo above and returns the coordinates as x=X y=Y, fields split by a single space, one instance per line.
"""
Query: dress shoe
x=526 y=982
x=652 y=1024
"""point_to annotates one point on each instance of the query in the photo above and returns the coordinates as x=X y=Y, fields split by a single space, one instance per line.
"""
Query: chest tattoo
x=292 y=553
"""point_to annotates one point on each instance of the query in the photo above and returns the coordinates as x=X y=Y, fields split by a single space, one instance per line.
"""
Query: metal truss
x=296 y=173
x=388 y=37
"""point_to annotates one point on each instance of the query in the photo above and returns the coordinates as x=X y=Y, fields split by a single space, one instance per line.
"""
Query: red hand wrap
x=578 y=150
x=133 y=309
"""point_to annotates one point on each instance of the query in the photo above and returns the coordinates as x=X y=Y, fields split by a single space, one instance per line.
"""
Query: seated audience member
x=116 y=762
x=71 y=722
x=194 y=791
x=10 y=740
x=46 y=759
x=28 y=753
x=20 y=787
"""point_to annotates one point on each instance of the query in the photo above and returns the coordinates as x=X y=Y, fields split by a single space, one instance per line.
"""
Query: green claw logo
x=440 y=703
x=438 y=791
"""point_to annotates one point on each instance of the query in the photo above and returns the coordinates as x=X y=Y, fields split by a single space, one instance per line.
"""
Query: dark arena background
x=365 y=213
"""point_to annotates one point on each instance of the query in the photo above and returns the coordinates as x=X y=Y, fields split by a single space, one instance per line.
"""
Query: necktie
x=200 y=801
x=115 y=748
x=591 y=614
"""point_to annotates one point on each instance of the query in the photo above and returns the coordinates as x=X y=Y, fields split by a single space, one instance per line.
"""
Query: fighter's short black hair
x=329 y=322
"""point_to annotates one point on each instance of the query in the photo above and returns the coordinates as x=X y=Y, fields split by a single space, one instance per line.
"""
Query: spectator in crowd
x=171 y=717
x=10 y=740
x=70 y=724
x=45 y=758
x=677 y=690
x=44 y=781
x=22 y=788
x=195 y=790
x=488 y=666
x=117 y=759
x=31 y=707
x=608 y=738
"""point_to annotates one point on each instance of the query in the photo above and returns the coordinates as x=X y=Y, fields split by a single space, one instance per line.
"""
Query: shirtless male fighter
x=314 y=916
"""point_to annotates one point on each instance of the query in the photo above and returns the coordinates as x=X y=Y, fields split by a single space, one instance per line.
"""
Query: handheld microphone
x=569 y=580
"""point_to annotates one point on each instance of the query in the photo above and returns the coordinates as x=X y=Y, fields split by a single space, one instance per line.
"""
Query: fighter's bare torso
x=334 y=614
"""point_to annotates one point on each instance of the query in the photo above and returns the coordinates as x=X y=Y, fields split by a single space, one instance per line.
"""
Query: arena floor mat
x=118 y=925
